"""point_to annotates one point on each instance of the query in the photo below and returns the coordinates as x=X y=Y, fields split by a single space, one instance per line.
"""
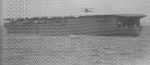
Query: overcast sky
x=32 y=8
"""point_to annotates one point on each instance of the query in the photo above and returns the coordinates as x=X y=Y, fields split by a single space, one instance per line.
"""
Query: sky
x=33 y=8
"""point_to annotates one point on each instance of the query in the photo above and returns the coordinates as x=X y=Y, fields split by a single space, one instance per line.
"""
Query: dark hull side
x=93 y=32
x=133 y=32
x=98 y=33
x=84 y=25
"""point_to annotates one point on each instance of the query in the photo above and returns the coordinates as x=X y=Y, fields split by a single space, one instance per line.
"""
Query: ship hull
x=98 y=25
x=125 y=32
x=114 y=32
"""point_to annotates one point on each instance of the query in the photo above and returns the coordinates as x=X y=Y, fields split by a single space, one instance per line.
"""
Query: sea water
x=77 y=50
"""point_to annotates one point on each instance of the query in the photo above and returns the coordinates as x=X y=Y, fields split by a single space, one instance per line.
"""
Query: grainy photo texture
x=75 y=32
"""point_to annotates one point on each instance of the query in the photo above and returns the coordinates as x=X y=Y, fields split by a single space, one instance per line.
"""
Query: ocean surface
x=76 y=50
